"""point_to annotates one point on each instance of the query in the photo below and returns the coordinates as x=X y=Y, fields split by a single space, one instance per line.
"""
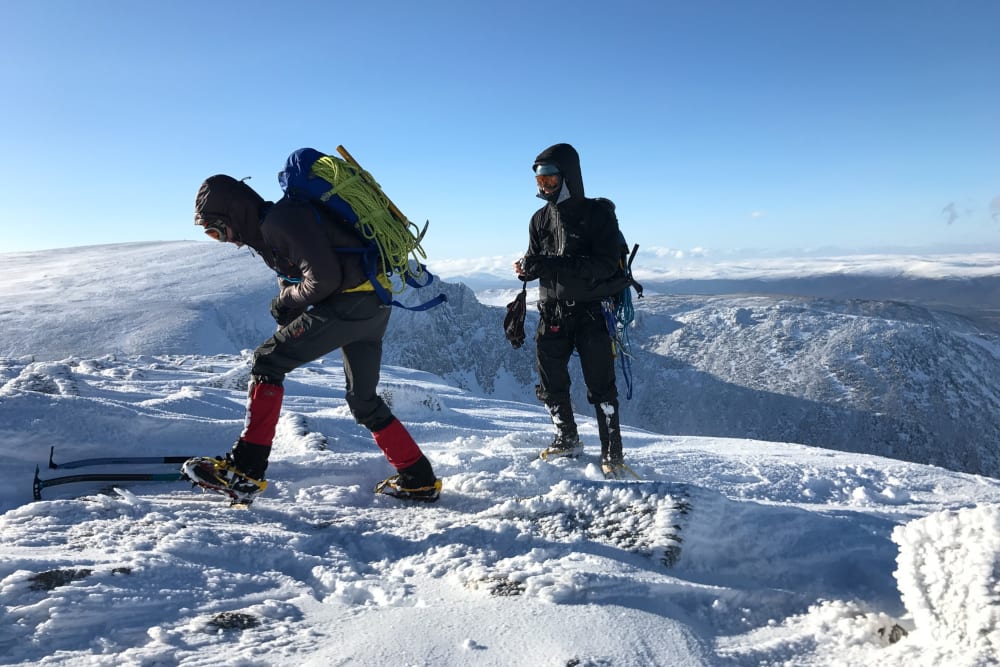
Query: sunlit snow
x=727 y=552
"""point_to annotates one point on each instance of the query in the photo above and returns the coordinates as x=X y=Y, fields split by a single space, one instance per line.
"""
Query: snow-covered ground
x=726 y=552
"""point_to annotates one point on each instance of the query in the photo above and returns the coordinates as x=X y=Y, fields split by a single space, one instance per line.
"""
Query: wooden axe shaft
x=392 y=207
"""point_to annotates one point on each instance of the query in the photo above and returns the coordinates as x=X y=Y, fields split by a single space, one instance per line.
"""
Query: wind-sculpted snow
x=949 y=572
x=728 y=552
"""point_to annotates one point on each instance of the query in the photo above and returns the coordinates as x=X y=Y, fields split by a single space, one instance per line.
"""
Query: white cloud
x=499 y=265
x=664 y=253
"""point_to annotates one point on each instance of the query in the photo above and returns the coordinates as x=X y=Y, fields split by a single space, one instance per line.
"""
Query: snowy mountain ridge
x=880 y=377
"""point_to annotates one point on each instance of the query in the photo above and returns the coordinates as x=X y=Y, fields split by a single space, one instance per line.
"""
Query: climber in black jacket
x=574 y=252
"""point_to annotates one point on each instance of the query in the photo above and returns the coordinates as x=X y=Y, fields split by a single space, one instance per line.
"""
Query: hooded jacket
x=573 y=242
x=290 y=238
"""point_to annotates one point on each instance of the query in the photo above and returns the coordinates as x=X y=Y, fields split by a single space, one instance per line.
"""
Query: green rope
x=397 y=240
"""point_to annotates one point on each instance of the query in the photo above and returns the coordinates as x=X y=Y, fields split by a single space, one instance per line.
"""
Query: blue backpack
x=392 y=243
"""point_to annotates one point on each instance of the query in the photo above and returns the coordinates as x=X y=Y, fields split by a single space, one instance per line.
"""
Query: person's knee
x=263 y=374
x=373 y=414
x=264 y=368
x=604 y=395
x=550 y=397
x=265 y=378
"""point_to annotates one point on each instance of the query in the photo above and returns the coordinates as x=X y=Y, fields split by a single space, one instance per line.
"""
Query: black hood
x=236 y=203
x=567 y=160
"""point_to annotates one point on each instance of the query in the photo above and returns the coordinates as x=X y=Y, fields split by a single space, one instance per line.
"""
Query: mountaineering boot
x=415 y=482
x=250 y=459
x=609 y=429
x=566 y=442
x=608 y=426
x=563 y=446
x=239 y=474
x=414 y=478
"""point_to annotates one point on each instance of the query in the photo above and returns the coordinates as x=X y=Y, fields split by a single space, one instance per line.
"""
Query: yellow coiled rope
x=397 y=239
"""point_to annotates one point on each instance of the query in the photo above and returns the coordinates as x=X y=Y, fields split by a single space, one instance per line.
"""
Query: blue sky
x=713 y=125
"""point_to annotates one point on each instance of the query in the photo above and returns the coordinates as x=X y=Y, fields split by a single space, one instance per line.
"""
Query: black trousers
x=563 y=329
x=353 y=323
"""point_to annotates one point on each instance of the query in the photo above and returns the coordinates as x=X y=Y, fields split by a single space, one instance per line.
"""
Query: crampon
x=220 y=476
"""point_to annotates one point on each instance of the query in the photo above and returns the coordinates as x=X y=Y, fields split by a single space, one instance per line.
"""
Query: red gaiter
x=398 y=445
x=263 y=409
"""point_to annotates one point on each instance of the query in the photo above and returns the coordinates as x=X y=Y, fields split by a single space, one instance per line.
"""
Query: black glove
x=513 y=321
x=282 y=314
x=541 y=266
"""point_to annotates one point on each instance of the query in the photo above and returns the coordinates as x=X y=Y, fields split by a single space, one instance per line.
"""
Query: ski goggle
x=548 y=181
x=216 y=229
x=547 y=176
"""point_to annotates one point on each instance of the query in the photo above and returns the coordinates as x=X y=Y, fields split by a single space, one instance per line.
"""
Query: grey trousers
x=353 y=323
